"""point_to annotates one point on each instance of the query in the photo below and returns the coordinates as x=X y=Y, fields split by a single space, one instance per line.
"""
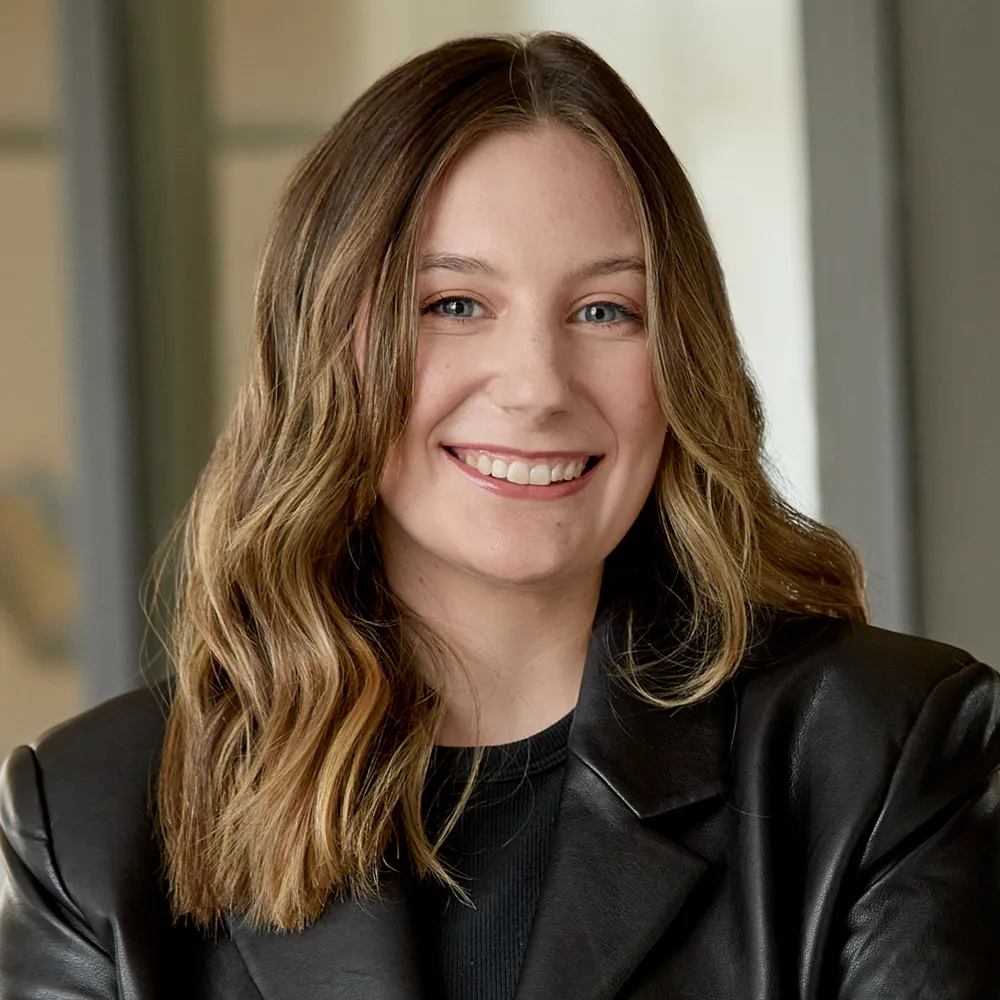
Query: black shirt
x=498 y=852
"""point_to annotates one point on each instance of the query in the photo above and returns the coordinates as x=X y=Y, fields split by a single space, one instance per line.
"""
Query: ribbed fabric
x=500 y=849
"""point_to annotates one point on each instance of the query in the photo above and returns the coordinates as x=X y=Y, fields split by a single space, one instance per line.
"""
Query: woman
x=501 y=669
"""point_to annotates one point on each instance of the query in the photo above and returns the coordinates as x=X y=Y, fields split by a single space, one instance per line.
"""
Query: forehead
x=545 y=184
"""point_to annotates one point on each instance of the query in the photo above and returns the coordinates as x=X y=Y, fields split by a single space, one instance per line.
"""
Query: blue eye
x=456 y=307
x=605 y=313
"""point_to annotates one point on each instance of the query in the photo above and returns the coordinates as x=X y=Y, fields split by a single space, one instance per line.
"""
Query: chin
x=531 y=569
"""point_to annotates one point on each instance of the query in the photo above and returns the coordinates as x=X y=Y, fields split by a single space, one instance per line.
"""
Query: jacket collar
x=614 y=882
x=654 y=759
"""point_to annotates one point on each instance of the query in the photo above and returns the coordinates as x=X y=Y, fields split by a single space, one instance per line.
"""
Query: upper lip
x=500 y=450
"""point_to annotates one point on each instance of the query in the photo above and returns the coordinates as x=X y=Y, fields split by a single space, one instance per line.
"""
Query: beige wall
x=38 y=686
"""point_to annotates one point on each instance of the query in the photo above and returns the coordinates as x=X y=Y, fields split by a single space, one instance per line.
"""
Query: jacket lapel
x=614 y=883
x=354 y=951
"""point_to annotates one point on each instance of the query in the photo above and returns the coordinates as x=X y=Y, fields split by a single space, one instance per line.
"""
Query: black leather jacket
x=827 y=827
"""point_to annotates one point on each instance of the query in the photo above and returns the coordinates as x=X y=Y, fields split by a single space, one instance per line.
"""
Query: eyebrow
x=457 y=262
x=440 y=261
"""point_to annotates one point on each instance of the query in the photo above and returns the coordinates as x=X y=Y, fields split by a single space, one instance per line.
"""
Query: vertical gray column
x=101 y=349
x=168 y=151
x=137 y=148
x=861 y=374
x=949 y=61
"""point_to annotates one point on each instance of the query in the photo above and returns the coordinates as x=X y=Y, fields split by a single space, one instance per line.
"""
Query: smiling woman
x=487 y=599
x=532 y=291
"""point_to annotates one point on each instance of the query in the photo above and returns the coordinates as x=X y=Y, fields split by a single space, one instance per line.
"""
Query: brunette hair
x=300 y=732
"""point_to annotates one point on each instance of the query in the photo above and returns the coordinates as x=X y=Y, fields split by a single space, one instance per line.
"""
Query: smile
x=547 y=476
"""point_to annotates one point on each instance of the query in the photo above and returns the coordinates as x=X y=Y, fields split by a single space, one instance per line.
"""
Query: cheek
x=636 y=414
x=392 y=473
x=437 y=391
x=444 y=370
x=434 y=385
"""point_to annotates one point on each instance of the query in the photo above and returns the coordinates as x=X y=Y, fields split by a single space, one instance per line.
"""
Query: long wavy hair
x=300 y=731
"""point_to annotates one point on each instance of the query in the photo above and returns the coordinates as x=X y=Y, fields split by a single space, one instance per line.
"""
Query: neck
x=520 y=651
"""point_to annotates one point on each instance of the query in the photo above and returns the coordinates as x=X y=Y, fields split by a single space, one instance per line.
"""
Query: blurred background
x=847 y=156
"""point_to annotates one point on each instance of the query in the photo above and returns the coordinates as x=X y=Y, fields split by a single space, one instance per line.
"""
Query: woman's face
x=535 y=434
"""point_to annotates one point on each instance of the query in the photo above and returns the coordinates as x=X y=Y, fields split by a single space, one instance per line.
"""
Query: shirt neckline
x=508 y=761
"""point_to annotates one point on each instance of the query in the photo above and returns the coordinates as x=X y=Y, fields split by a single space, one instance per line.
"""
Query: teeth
x=518 y=471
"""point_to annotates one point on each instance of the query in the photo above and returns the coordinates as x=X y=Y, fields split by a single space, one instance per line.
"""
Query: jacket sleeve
x=47 y=948
x=923 y=917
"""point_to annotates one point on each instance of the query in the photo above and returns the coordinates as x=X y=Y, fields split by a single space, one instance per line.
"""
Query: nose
x=532 y=367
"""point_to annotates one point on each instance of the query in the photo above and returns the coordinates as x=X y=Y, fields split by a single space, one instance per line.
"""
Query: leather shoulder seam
x=972 y=664
x=44 y=836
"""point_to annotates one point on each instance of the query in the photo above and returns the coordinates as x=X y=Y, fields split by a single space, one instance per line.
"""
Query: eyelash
x=452 y=298
x=627 y=314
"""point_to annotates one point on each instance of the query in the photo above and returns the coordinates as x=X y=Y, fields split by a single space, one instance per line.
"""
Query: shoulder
x=93 y=769
x=116 y=737
x=860 y=673
x=75 y=806
x=867 y=726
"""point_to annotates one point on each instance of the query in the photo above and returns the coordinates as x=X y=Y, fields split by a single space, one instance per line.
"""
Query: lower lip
x=505 y=488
